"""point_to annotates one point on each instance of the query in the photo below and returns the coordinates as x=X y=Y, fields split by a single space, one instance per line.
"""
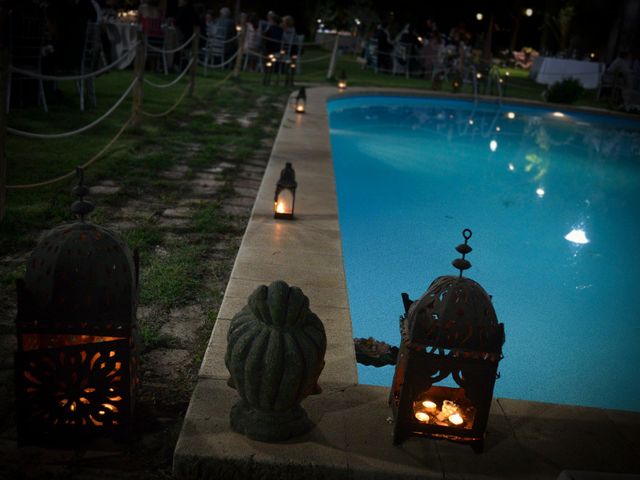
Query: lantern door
x=284 y=203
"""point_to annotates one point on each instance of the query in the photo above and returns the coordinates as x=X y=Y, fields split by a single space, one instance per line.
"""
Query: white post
x=334 y=54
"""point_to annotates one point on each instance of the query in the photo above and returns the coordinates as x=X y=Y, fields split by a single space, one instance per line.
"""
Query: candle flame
x=280 y=207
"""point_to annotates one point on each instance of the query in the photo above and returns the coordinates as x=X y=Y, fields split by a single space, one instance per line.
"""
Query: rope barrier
x=317 y=59
x=73 y=172
x=217 y=40
x=172 y=50
x=309 y=44
x=219 y=65
x=174 y=106
x=170 y=84
x=40 y=76
x=171 y=109
x=79 y=130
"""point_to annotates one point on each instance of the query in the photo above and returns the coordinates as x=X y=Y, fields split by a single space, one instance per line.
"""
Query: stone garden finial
x=275 y=354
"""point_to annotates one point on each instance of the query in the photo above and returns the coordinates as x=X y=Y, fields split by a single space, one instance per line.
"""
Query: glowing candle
x=449 y=408
x=422 y=417
x=280 y=207
x=456 y=419
x=429 y=405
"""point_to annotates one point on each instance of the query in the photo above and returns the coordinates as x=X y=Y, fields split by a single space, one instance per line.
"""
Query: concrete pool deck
x=353 y=434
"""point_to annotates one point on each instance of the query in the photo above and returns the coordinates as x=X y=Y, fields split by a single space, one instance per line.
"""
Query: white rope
x=317 y=59
x=79 y=130
x=173 y=50
x=311 y=44
x=170 y=84
x=40 y=76
x=205 y=38
x=220 y=65
x=73 y=172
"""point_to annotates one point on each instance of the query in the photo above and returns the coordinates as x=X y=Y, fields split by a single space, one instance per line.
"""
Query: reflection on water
x=553 y=201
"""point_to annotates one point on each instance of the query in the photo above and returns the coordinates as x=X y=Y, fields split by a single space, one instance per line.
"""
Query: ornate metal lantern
x=447 y=365
x=285 y=197
x=301 y=100
x=342 y=81
x=76 y=325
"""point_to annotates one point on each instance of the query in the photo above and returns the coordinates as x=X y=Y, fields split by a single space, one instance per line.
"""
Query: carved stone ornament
x=275 y=354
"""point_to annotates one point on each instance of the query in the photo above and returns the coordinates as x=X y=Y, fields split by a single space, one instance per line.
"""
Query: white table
x=549 y=70
x=327 y=39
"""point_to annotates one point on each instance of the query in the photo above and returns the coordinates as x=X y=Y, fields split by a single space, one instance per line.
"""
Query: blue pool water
x=412 y=173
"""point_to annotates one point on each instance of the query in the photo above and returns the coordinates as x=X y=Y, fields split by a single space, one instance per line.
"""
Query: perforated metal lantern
x=285 y=197
x=447 y=365
x=76 y=326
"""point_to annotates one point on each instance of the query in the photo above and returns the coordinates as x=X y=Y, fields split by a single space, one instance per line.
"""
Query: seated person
x=385 y=47
x=525 y=58
x=150 y=18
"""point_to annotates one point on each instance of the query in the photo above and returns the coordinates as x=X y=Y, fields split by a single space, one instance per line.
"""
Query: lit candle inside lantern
x=280 y=207
x=422 y=417
x=449 y=408
x=429 y=405
x=456 y=419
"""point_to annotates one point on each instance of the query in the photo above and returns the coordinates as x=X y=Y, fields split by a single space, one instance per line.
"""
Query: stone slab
x=353 y=440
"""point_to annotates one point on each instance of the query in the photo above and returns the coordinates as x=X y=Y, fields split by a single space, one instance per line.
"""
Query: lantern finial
x=461 y=263
x=81 y=207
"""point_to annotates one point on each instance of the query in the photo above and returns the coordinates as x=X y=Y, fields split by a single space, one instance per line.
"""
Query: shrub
x=566 y=91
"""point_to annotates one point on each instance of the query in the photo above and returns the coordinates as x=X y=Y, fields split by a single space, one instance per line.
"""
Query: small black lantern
x=342 y=81
x=301 y=100
x=77 y=334
x=285 y=196
x=450 y=336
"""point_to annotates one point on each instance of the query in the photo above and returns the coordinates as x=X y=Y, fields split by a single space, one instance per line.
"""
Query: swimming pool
x=553 y=199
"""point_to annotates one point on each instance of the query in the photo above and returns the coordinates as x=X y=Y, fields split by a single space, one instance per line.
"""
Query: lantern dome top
x=81 y=272
x=452 y=300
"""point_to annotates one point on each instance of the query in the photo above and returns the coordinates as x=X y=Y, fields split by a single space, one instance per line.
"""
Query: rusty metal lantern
x=76 y=326
x=285 y=197
x=448 y=360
